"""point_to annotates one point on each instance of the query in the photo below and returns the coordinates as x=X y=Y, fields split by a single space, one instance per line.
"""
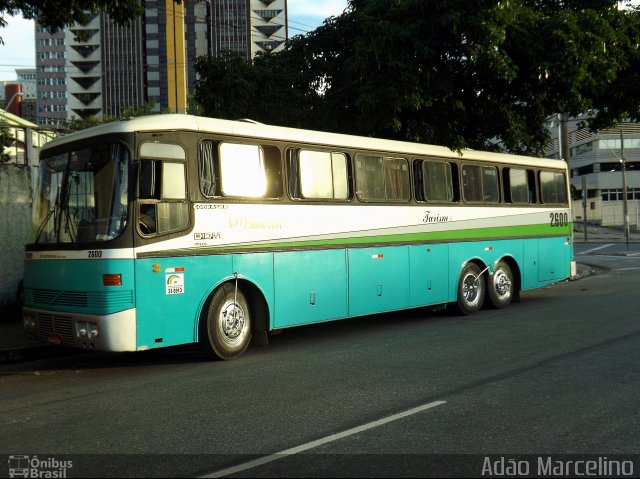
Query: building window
x=615 y=194
x=612 y=194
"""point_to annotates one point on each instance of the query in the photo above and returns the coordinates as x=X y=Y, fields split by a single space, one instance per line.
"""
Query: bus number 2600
x=559 y=219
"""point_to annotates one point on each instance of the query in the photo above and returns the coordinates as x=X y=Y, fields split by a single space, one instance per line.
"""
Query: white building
x=596 y=164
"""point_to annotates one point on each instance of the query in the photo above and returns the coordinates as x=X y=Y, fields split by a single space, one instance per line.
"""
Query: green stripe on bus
x=475 y=234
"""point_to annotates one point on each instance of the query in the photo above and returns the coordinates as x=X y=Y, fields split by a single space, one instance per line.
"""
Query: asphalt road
x=411 y=394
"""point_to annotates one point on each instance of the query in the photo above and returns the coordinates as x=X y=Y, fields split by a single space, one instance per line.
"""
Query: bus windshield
x=82 y=195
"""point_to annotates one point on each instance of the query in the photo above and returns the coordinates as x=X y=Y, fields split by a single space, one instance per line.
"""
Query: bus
x=174 y=229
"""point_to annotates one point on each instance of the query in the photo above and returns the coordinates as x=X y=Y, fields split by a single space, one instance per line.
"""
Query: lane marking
x=596 y=249
x=319 y=442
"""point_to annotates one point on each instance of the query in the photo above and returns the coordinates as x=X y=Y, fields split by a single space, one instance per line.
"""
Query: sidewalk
x=16 y=347
x=603 y=233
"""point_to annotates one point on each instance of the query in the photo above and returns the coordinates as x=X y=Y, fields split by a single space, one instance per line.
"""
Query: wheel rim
x=502 y=284
x=470 y=289
x=233 y=323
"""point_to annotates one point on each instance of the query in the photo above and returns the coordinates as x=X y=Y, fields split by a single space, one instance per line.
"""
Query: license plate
x=54 y=339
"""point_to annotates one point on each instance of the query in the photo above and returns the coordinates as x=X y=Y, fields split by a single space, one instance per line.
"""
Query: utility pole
x=584 y=205
x=625 y=206
x=176 y=60
x=564 y=137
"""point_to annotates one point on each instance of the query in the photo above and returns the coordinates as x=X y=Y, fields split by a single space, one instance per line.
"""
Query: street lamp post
x=625 y=206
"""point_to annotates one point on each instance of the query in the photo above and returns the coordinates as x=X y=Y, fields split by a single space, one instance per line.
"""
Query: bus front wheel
x=226 y=331
x=471 y=289
x=501 y=286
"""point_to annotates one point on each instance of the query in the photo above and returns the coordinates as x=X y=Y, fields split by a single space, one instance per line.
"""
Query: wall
x=15 y=225
x=607 y=213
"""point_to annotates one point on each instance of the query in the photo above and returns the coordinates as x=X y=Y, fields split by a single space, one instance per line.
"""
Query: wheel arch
x=479 y=262
x=256 y=299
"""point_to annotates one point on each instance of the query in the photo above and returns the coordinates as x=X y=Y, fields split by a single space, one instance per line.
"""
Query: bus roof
x=250 y=129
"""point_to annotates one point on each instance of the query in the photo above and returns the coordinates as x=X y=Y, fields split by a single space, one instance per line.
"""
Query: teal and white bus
x=174 y=229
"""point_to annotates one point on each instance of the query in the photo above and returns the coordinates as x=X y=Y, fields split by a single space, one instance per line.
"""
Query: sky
x=18 y=50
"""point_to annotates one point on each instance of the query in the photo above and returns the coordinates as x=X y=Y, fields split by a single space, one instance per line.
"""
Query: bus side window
x=318 y=175
x=163 y=194
x=273 y=171
x=553 y=187
x=518 y=186
x=162 y=189
x=293 y=173
x=149 y=179
x=251 y=171
x=480 y=184
x=380 y=178
x=207 y=168
x=533 y=197
x=435 y=181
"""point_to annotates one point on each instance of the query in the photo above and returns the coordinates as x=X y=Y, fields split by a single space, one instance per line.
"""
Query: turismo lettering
x=435 y=218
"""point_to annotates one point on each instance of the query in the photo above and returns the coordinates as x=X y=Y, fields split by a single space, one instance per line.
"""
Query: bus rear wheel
x=226 y=331
x=501 y=286
x=471 y=289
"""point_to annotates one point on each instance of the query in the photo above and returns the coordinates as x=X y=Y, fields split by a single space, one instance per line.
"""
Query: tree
x=6 y=140
x=478 y=73
x=75 y=124
x=56 y=14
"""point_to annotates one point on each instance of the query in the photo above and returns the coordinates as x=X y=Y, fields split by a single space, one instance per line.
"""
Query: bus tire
x=501 y=286
x=226 y=330
x=471 y=289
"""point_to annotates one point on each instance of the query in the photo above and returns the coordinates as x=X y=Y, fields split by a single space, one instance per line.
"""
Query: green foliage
x=57 y=14
x=76 y=124
x=475 y=74
x=6 y=140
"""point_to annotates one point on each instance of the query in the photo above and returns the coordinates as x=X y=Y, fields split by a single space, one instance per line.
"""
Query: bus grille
x=50 y=324
x=97 y=302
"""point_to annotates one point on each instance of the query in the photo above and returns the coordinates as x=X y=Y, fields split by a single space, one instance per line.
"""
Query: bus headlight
x=81 y=330
x=93 y=330
x=29 y=323
x=86 y=330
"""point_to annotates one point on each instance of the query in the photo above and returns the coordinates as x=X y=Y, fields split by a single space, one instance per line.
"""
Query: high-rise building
x=248 y=26
x=51 y=98
x=100 y=68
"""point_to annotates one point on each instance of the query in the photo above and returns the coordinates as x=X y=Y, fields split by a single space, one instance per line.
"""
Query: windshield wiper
x=44 y=224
